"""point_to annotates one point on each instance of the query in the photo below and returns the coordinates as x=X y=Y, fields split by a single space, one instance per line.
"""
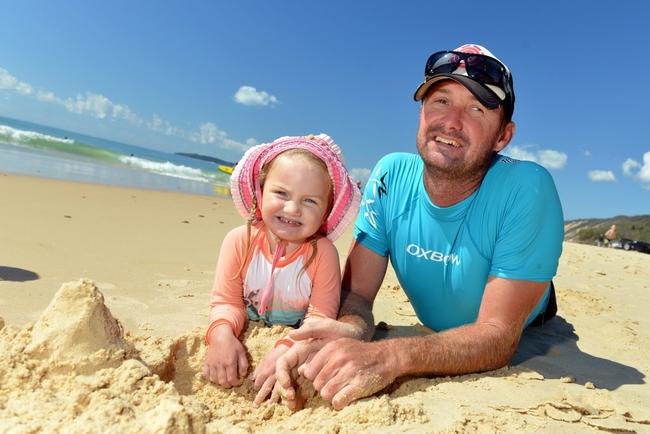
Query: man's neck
x=444 y=191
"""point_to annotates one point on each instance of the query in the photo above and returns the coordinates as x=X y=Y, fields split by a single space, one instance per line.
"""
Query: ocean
x=31 y=149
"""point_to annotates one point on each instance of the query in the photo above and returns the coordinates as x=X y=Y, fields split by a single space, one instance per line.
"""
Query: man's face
x=457 y=134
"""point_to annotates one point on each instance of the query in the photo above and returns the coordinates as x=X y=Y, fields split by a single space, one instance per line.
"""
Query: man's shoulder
x=397 y=166
x=400 y=158
x=513 y=172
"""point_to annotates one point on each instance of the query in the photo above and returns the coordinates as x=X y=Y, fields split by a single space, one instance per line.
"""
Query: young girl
x=281 y=267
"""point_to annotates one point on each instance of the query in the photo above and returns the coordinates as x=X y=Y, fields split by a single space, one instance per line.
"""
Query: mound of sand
x=77 y=329
x=75 y=371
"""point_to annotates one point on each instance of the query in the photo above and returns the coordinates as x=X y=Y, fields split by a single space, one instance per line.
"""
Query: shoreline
x=157 y=176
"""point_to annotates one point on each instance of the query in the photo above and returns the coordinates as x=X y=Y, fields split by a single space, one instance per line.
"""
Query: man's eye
x=476 y=110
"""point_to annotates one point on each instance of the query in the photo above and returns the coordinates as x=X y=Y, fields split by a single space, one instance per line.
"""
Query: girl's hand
x=226 y=362
x=264 y=376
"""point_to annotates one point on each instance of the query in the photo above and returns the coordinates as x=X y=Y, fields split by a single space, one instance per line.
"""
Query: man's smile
x=447 y=141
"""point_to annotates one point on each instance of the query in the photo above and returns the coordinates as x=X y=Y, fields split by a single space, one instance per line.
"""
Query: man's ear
x=505 y=136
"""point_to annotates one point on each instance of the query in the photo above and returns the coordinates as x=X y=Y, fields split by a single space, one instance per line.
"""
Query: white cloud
x=209 y=133
x=602 y=176
x=248 y=95
x=638 y=171
x=630 y=167
x=91 y=103
x=552 y=159
x=548 y=158
x=360 y=174
x=9 y=82
x=101 y=107
x=47 y=96
x=162 y=126
x=121 y=111
x=644 y=173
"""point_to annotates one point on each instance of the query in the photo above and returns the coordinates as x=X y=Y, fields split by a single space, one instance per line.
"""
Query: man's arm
x=362 y=278
x=489 y=343
x=345 y=370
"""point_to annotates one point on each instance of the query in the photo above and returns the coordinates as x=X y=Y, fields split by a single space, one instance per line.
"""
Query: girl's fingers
x=266 y=388
x=243 y=364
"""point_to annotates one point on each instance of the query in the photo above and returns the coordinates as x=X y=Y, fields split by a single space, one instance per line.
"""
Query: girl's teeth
x=291 y=222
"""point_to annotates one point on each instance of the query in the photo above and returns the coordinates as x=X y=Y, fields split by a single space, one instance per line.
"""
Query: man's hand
x=346 y=370
x=226 y=362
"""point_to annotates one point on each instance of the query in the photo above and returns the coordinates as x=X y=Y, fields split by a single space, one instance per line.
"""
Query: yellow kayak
x=226 y=169
x=222 y=190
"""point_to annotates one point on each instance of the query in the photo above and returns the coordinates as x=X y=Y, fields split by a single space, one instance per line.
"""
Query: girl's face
x=295 y=198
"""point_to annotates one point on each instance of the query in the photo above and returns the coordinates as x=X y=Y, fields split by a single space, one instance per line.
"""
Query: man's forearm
x=357 y=311
x=471 y=348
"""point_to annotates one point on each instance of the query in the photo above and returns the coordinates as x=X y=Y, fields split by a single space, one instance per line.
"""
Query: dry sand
x=122 y=350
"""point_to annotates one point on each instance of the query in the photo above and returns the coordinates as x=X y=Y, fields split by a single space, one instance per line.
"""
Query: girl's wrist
x=220 y=332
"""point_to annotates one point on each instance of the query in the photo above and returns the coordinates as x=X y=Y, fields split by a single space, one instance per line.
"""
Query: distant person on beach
x=281 y=266
x=610 y=235
x=473 y=236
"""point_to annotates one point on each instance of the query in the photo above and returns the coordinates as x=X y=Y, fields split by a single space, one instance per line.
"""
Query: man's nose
x=453 y=118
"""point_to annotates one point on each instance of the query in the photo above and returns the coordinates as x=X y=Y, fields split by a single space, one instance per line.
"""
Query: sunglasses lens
x=442 y=63
x=481 y=68
x=484 y=69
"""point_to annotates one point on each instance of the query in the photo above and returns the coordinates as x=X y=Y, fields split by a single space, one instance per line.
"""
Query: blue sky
x=215 y=77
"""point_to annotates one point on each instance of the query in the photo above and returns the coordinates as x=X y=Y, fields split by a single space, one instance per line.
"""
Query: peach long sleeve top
x=297 y=293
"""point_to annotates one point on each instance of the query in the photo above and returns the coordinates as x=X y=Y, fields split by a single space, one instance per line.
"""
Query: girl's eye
x=311 y=201
x=280 y=193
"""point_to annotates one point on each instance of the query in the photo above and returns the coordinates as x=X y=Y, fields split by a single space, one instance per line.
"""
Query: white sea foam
x=22 y=136
x=167 y=168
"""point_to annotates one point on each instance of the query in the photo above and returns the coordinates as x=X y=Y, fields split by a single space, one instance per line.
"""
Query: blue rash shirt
x=510 y=227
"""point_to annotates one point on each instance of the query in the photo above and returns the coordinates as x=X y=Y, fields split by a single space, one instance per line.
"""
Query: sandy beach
x=103 y=304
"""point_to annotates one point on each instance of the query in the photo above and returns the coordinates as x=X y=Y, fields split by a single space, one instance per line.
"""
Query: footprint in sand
x=173 y=283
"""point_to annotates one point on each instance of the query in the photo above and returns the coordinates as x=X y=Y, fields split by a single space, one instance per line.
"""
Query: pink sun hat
x=244 y=181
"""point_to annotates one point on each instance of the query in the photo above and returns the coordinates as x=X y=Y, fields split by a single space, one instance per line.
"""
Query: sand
x=103 y=302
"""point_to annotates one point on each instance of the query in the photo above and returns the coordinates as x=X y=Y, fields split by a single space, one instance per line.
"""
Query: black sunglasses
x=483 y=69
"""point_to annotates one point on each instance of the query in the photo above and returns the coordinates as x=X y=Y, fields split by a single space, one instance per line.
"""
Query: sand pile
x=78 y=330
x=74 y=371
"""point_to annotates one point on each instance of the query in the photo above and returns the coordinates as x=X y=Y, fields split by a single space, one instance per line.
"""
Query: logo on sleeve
x=379 y=189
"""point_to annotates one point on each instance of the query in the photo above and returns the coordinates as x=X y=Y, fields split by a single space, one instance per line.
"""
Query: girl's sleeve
x=325 y=274
x=226 y=298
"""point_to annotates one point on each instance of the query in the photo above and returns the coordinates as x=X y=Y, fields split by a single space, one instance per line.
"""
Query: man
x=474 y=238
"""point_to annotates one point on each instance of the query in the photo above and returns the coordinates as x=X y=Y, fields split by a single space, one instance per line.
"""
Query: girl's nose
x=291 y=207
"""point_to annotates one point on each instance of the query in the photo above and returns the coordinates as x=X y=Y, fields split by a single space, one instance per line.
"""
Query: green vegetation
x=586 y=231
